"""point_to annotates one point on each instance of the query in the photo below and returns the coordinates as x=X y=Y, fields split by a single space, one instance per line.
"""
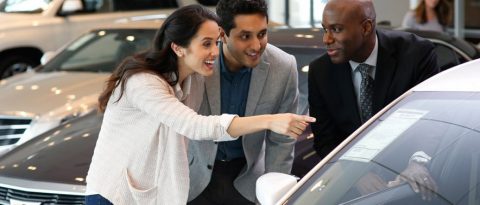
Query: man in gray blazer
x=251 y=77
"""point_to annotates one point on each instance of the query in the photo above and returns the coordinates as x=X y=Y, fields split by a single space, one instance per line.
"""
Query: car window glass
x=100 y=53
x=443 y=124
x=24 y=6
x=98 y=6
x=123 y=5
x=81 y=41
x=92 y=6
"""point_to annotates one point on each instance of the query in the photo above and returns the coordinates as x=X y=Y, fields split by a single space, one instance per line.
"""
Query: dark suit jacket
x=404 y=60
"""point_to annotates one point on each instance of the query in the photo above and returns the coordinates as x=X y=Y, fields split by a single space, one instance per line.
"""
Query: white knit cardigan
x=141 y=153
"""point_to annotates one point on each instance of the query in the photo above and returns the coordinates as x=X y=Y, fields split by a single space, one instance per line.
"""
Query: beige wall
x=391 y=10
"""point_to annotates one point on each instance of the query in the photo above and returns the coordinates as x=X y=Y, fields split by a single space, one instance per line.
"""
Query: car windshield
x=443 y=125
x=100 y=51
x=23 y=6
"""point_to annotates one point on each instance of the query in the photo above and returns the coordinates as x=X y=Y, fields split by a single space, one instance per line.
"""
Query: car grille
x=12 y=128
x=46 y=199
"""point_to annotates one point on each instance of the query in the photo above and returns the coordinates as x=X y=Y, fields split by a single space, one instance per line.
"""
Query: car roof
x=462 y=78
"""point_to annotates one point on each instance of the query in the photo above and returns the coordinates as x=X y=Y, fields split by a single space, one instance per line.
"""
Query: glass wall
x=301 y=13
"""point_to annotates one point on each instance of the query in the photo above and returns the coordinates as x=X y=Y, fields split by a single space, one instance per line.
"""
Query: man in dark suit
x=342 y=94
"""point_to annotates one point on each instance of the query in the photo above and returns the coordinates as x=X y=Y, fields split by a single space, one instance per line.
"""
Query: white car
x=435 y=124
x=28 y=28
x=68 y=85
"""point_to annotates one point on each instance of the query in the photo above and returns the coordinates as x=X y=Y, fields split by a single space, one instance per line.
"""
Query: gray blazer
x=273 y=89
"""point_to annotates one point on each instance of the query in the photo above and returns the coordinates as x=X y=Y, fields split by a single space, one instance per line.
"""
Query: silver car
x=69 y=84
x=437 y=119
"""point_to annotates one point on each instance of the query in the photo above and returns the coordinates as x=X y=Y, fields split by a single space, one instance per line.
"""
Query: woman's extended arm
x=151 y=94
x=288 y=124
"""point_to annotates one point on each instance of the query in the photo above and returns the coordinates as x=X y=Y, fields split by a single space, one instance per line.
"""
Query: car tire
x=14 y=64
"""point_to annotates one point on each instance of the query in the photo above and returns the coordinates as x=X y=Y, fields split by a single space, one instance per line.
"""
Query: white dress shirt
x=357 y=76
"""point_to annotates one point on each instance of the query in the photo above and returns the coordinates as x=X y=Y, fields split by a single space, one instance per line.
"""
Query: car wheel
x=15 y=64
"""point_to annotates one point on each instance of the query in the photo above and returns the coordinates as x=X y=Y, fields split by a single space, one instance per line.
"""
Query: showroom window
x=23 y=6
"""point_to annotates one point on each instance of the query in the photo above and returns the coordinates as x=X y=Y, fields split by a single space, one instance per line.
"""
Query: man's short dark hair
x=228 y=9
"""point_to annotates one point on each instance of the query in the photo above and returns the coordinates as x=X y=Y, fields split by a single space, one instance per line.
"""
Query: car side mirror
x=71 y=6
x=271 y=187
x=47 y=56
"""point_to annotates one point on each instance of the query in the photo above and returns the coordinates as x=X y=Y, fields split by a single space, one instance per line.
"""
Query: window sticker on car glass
x=383 y=134
x=80 y=42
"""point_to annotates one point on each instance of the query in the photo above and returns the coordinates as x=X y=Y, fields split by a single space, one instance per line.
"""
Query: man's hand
x=418 y=176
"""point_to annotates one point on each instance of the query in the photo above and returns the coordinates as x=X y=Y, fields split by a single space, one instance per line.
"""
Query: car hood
x=35 y=94
x=59 y=156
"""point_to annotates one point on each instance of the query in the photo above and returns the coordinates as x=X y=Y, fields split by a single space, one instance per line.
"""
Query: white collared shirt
x=357 y=77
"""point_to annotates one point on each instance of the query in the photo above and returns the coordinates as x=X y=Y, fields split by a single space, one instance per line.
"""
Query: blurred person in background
x=432 y=15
